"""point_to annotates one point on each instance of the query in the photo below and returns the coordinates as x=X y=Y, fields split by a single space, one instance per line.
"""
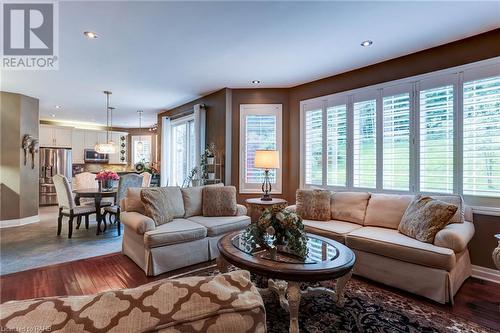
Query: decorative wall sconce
x=27 y=140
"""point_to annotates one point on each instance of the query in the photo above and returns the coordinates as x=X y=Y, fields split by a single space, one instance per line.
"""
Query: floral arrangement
x=107 y=175
x=278 y=227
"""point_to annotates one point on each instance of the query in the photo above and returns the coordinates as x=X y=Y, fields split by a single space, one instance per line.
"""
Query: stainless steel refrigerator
x=53 y=161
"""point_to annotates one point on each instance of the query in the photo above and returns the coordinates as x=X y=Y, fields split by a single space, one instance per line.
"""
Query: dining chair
x=67 y=206
x=126 y=181
x=85 y=180
x=146 y=179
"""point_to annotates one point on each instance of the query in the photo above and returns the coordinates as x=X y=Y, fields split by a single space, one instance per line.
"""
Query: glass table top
x=318 y=251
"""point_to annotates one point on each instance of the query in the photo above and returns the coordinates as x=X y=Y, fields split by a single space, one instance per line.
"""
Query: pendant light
x=140 y=144
x=109 y=147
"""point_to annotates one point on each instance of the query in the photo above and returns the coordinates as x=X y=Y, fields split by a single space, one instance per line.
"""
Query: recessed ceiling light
x=53 y=115
x=90 y=35
x=255 y=81
x=57 y=106
x=366 y=43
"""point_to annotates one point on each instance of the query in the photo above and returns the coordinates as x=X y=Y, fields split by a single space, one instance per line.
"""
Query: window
x=336 y=145
x=436 y=140
x=260 y=129
x=481 y=142
x=365 y=140
x=141 y=149
x=396 y=142
x=436 y=133
x=314 y=146
x=182 y=152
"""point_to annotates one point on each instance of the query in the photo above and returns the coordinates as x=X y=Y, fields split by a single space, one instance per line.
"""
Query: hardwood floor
x=477 y=300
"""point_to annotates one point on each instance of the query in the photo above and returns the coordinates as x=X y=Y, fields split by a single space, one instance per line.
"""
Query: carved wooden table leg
x=339 y=288
x=293 y=293
x=222 y=265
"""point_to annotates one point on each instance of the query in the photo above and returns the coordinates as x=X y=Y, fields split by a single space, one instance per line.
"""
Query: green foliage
x=278 y=227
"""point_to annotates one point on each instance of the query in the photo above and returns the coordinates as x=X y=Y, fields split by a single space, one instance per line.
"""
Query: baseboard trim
x=19 y=222
x=485 y=273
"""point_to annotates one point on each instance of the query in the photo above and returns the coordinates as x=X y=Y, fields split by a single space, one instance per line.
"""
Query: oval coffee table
x=326 y=260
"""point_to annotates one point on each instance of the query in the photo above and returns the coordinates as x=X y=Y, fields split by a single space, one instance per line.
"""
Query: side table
x=256 y=206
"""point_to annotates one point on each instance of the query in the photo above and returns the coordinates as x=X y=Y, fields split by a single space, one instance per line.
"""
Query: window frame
x=455 y=76
x=176 y=122
x=260 y=109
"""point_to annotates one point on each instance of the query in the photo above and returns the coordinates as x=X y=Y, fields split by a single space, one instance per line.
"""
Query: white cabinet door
x=46 y=136
x=101 y=137
x=78 y=146
x=90 y=139
x=63 y=137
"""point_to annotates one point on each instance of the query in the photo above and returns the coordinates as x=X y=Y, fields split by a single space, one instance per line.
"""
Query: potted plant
x=278 y=230
x=106 y=179
x=208 y=158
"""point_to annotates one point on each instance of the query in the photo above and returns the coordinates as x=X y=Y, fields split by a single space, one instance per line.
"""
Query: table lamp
x=266 y=159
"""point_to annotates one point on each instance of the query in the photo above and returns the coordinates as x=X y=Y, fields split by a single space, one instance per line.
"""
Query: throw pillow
x=424 y=217
x=134 y=203
x=219 y=201
x=313 y=204
x=157 y=204
x=456 y=200
x=193 y=200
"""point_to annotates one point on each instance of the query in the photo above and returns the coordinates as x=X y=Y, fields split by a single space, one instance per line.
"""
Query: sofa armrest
x=242 y=210
x=292 y=208
x=137 y=222
x=455 y=236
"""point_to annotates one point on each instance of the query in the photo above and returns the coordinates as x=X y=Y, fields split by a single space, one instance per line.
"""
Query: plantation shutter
x=313 y=146
x=336 y=145
x=260 y=135
x=365 y=144
x=436 y=139
x=396 y=142
x=481 y=138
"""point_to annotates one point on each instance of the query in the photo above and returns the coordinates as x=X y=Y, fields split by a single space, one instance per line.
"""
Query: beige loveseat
x=224 y=303
x=187 y=240
x=368 y=224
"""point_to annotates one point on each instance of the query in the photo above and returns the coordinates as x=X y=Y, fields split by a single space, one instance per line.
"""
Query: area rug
x=368 y=308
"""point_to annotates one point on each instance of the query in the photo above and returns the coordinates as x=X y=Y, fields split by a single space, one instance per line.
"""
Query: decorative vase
x=211 y=176
x=210 y=160
x=107 y=185
x=196 y=182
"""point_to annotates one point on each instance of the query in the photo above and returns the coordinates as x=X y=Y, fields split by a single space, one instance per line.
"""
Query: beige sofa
x=368 y=224
x=187 y=240
x=224 y=303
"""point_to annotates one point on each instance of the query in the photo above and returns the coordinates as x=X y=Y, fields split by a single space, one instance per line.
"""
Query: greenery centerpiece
x=278 y=228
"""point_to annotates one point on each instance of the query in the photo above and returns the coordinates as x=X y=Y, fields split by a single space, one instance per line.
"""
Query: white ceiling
x=157 y=55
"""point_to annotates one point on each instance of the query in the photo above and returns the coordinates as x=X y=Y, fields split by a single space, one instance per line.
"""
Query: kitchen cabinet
x=55 y=136
x=91 y=139
x=78 y=146
x=80 y=139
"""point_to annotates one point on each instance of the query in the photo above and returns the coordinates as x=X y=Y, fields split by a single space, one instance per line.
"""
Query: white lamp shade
x=267 y=159
x=105 y=148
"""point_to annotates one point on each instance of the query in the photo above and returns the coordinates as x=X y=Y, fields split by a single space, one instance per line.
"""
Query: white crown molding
x=484 y=273
x=19 y=222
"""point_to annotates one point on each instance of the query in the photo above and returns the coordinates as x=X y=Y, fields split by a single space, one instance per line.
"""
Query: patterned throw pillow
x=157 y=204
x=219 y=201
x=313 y=204
x=424 y=217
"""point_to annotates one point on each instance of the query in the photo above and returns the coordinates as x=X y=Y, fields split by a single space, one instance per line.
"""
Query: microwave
x=91 y=156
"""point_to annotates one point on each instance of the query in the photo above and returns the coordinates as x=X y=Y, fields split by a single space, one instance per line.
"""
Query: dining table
x=98 y=195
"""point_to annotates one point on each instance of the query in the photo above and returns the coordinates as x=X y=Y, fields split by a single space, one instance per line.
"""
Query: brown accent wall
x=258 y=96
x=19 y=182
x=215 y=106
x=476 y=48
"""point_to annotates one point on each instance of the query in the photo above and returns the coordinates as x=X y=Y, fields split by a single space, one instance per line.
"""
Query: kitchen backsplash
x=89 y=167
